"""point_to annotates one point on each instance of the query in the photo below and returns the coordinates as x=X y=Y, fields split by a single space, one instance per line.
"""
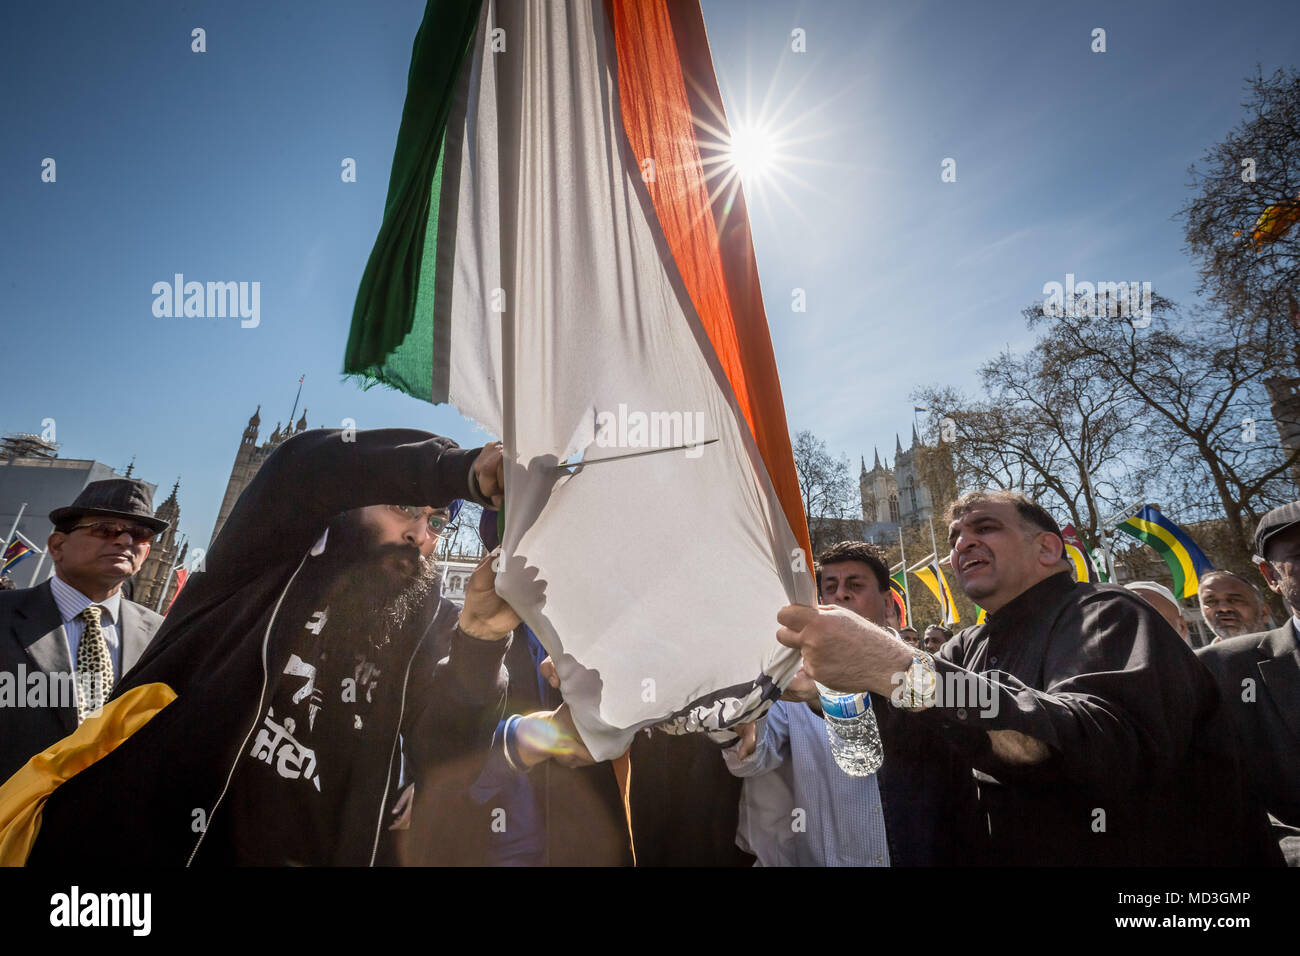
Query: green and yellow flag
x=1186 y=561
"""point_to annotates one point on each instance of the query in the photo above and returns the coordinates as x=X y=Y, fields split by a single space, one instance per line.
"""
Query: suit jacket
x=32 y=639
x=1268 y=719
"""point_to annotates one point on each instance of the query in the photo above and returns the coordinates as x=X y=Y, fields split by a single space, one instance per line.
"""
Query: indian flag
x=564 y=258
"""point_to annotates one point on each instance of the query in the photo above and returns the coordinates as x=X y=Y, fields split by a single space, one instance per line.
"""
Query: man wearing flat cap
x=1259 y=678
x=65 y=642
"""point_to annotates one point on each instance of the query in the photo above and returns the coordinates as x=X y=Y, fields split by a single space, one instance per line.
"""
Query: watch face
x=922 y=679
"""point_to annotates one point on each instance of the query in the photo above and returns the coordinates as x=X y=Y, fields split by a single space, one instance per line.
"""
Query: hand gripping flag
x=555 y=262
x=1186 y=561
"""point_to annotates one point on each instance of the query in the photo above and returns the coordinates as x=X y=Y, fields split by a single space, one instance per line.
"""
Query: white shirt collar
x=72 y=602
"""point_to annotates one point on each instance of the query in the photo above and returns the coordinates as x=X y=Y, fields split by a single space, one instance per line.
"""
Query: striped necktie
x=94 y=666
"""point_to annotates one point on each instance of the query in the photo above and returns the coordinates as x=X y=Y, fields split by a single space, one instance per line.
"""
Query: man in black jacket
x=1093 y=733
x=303 y=662
x=1259 y=677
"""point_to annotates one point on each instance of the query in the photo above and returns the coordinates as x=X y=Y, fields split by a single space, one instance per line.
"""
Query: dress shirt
x=792 y=768
x=72 y=602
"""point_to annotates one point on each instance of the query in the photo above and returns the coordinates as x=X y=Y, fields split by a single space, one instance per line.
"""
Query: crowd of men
x=311 y=699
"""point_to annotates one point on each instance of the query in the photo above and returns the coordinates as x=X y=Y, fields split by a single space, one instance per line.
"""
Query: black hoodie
x=159 y=798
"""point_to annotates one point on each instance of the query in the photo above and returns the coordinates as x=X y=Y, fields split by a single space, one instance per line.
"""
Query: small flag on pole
x=931 y=576
x=18 y=549
x=1080 y=555
x=182 y=575
x=898 y=591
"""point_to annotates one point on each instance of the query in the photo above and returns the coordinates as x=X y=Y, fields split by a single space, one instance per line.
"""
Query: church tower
x=879 y=501
x=915 y=503
x=163 y=554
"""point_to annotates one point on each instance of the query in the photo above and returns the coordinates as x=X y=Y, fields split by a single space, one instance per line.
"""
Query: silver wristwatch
x=920 y=682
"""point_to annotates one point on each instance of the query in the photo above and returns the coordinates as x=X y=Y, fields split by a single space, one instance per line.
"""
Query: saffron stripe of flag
x=1186 y=561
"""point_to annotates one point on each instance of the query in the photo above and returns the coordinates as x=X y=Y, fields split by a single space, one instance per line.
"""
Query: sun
x=752 y=152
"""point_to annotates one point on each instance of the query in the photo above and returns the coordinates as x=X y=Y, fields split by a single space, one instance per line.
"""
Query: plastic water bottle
x=852 y=731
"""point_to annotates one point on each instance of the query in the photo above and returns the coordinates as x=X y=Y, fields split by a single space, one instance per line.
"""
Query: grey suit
x=1259 y=678
x=32 y=639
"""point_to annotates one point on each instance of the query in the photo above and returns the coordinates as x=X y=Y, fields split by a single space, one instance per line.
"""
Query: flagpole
x=1114 y=520
x=907 y=591
x=1101 y=530
x=295 y=399
x=12 y=531
x=39 y=564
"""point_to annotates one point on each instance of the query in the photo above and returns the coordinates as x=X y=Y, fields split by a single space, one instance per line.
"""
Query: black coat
x=1259 y=678
x=148 y=800
x=1141 y=769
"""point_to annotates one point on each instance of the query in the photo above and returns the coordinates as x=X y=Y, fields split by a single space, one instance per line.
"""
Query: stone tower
x=879 y=493
x=895 y=497
x=915 y=503
x=163 y=554
x=249 y=460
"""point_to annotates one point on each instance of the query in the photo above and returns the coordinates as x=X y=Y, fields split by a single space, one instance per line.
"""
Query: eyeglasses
x=435 y=521
x=108 y=530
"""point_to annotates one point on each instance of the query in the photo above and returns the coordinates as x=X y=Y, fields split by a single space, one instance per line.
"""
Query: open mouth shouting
x=972 y=563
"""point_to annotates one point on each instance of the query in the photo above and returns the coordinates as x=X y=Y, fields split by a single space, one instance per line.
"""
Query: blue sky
x=225 y=166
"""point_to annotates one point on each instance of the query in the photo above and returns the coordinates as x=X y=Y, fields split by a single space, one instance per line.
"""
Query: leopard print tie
x=94 y=666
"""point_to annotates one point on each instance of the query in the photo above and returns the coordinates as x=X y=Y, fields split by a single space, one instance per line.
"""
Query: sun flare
x=752 y=152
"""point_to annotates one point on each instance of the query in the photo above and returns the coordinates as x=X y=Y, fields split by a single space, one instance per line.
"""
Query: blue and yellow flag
x=1186 y=561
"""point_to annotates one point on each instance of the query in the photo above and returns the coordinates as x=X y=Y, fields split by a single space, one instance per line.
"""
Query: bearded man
x=302 y=659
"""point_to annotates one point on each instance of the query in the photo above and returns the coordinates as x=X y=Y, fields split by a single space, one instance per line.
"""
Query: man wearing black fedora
x=65 y=642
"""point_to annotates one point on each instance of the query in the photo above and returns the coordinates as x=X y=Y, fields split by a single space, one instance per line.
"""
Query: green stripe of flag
x=392 y=334
x=1166 y=553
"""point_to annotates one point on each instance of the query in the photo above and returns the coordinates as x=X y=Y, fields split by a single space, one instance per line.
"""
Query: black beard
x=371 y=598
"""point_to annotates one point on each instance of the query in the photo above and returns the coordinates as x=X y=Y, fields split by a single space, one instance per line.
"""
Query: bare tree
x=1193 y=386
x=825 y=484
x=1254 y=172
x=1062 y=438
